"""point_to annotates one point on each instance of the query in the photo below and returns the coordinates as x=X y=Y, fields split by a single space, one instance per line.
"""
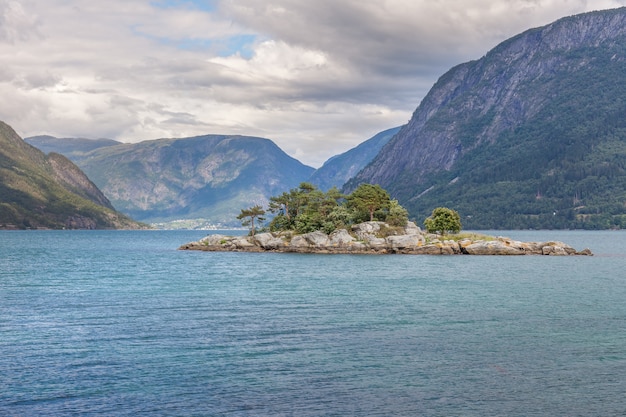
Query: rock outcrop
x=379 y=238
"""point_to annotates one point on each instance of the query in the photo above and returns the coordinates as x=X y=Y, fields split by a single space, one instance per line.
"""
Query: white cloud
x=15 y=24
x=316 y=77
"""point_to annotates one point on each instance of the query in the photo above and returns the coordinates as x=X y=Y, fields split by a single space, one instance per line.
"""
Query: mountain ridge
x=477 y=117
x=69 y=147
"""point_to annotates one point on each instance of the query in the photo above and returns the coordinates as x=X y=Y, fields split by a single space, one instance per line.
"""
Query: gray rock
x=261 y=238
x=317 y=238
x=412 y=229
x=554 y=251
x=495 y=247
x=299 y=242
x=564 y=246
x=447 y=250
x=464 y=243
x=358 y=246
x=340 y=238
x=212 y=240
x=432 y=237
x=268 y=241
x=373 y=241
x=454 y=246
x=243 y=242
x=533 y=248
x=404 y=241
x=367 y=228
x=430 y=249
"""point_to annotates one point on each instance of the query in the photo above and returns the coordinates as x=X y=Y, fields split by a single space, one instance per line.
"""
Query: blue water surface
x=121 y=323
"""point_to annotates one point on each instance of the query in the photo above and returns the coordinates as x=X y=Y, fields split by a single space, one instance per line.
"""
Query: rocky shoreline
x=379 y=238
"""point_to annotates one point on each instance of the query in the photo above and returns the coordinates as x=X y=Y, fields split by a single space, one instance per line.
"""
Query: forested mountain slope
x=49 y=191
x=532 y=135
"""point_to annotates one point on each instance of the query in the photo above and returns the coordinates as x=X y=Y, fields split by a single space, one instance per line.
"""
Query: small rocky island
x=376 y=237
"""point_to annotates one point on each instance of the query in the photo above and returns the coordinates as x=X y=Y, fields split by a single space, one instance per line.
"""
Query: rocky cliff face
x=522 y=83
x=475 y=102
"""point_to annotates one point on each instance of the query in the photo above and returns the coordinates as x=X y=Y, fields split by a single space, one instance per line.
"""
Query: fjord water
x=121 y=323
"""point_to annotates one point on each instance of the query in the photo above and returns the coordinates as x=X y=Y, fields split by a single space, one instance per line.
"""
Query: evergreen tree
x=248 y=215
x=398 y=215
x=369 y=198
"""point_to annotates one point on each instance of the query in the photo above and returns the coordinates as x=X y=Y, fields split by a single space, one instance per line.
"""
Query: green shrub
x=443 y=220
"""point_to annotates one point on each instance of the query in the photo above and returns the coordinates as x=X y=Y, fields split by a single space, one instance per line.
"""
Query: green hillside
x=39 y=191
x=563 y=168
x=532 y=135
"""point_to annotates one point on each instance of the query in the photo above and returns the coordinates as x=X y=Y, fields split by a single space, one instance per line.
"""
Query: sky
x=316 y=77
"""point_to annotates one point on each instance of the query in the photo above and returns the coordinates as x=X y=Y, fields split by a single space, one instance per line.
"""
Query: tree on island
x=248 y=215
x=397 y=215
x=443 y=220
x=307 y=209
x=369 y=198
x=281 y=204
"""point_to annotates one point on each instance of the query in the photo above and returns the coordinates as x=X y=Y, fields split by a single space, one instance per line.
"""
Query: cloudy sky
x=316 y=77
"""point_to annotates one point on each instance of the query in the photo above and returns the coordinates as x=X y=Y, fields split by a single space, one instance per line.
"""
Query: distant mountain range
x=73 y=148
x=49 y=191
x=339 y=169
x=209 y=178
x=532 y=135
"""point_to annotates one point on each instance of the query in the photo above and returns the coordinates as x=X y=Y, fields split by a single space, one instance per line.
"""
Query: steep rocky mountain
x=531 y=135
x=208 y=177
x=340 y=168
x=39 y=191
